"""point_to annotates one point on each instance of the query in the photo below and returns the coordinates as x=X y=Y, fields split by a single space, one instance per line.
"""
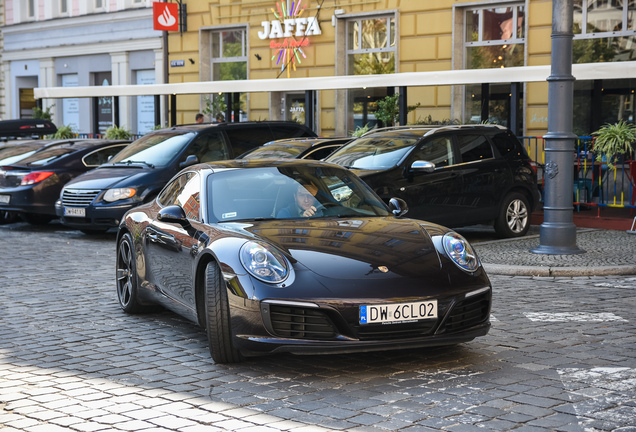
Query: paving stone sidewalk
x=606 y=252
x=559 y=357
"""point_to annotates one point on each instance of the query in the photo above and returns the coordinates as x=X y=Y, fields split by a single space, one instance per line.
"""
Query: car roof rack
x=432 y=129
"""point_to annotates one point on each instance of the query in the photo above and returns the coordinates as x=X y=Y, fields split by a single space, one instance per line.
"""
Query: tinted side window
x=209 y=147
x=321 y=153
x=290 y=131
x=474 y=148
x=507 y=145
x=101 y=156
x=246 y=138
x=183 y=191
x=438 y=150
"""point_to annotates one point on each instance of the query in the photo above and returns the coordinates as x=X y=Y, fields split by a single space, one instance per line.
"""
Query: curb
x=550 y=271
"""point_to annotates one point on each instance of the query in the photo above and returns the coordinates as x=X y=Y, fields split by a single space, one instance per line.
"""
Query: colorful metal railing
x=594 y=183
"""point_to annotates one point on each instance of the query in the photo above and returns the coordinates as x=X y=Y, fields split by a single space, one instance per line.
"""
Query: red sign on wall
x=165 y=16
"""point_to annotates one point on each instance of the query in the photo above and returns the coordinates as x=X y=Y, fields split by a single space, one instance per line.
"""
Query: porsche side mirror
x=190 y=160
x=173 y=214
x=422 y=166
x=398 y=207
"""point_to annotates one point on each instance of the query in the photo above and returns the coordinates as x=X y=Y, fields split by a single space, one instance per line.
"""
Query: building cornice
x=81 y=50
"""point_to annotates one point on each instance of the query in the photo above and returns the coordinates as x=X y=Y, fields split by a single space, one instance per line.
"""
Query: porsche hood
x=360 y=248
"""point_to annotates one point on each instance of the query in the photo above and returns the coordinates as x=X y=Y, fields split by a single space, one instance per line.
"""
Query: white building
x=50 y=43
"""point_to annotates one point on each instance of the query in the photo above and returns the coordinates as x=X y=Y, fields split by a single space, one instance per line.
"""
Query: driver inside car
x=304 y=203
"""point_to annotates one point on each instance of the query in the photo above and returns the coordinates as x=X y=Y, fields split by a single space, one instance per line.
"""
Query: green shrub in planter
x=613 y=141
x=116 y=133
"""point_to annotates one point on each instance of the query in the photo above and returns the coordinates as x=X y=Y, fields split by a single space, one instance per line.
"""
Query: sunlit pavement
x=560 y=357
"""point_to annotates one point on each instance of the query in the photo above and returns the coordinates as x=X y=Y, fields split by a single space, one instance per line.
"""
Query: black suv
x=453 y=175
x=96 y=201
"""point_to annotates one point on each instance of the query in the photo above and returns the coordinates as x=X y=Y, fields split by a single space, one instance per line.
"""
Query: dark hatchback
x=296 y=148
x=97 y=200
x=31 y=183
x=453 y=175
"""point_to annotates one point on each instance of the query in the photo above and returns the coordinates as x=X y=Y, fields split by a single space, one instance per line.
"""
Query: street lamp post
x=558 y=232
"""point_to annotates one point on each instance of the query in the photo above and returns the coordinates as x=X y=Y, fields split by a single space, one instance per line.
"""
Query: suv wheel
x=514 y=216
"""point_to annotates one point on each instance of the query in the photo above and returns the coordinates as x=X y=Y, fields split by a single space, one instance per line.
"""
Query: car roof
x=198 y=127
x=264 y=163
x=425 y=130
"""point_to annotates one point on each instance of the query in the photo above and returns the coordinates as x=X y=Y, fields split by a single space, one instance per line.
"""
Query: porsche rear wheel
x=127 y=276
x=218 y=317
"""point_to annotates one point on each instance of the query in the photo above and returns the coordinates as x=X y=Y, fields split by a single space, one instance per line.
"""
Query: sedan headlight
x=264 y=262
x=460 y=251
x=112 y=195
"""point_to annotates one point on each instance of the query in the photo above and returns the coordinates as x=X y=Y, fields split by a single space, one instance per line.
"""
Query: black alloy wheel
x=218 y=317
x=127 y=276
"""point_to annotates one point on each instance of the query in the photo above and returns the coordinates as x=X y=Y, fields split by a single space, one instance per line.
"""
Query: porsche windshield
x=289 y=193
x=372 y=152
x=154 y=149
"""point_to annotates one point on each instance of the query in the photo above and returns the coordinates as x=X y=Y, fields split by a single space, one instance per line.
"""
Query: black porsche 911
x=298 y=256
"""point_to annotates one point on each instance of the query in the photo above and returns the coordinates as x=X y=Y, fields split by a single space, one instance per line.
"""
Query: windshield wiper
x=130 y=162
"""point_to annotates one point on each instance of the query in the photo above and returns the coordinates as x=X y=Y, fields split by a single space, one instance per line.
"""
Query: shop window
x=371 y=45
x=494 y=36
x=603 y=31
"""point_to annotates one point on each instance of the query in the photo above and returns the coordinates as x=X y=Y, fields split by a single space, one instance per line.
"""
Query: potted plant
x=613 y=141
x=64 y=132
x=116 y=132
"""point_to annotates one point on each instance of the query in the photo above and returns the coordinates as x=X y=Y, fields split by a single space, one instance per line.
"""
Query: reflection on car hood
x=362 y=248
x=104 y=178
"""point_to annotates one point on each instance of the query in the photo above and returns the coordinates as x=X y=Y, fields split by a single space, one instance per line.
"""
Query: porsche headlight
x=264 y=262
x=112 y=195
x=460 y=251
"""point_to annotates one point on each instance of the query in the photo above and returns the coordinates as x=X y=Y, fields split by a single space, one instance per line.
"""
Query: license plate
x=75 y=212
x=395 y=313
x=5 y=199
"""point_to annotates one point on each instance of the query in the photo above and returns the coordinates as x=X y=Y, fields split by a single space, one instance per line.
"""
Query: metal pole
x=403 y=107
x=310 y=97
x=558 y=232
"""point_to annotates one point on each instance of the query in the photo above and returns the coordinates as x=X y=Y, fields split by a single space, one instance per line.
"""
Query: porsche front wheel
x=218 y=317
x=127 y=276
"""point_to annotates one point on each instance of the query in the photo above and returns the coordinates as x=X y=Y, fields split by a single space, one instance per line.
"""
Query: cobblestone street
x=560 y=357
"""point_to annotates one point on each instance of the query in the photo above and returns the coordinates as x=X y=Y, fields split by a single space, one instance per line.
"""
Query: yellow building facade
x=269 y=39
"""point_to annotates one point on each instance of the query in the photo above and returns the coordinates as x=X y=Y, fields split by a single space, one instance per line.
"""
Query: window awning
x=588 y=71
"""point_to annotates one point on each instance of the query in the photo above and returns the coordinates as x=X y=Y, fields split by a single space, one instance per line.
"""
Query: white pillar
x=46 y=78
x=160 y=79
x=121 y=76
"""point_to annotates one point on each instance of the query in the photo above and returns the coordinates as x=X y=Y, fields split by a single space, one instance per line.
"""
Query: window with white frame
x=229 y=54
x=31 y=5
x=494 y=36
x=63 y=7
x=371 y=45
x=604 y=31
x=229 y=60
